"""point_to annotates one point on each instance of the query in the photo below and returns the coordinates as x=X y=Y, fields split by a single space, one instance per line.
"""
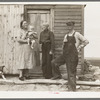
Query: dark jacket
x=47 y=36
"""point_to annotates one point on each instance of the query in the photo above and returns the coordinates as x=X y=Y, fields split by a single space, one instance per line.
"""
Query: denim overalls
x=70 y=55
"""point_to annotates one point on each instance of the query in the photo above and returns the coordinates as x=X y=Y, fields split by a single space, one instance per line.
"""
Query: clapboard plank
x=66 y=13
x=64 y=9
x=68 y=6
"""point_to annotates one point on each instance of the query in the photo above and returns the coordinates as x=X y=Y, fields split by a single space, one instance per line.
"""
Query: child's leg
x=28 y=41
x=32 y=43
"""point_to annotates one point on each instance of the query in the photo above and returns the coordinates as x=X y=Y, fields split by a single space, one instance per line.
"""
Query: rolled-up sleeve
x=83 y=40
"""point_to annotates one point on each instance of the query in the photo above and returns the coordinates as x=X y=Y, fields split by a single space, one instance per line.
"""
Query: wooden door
x=37 y=18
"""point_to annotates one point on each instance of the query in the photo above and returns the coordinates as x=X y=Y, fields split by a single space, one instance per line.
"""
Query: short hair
x=21 y=23
x=45 y=24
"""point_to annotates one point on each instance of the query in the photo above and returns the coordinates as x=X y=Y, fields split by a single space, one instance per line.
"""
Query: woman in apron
x=27 y=55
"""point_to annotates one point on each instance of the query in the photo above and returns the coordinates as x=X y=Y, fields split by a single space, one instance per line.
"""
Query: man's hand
x=79 y=49
x=50 y=52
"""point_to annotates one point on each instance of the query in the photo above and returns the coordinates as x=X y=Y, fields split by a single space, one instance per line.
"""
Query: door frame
x=41 y=7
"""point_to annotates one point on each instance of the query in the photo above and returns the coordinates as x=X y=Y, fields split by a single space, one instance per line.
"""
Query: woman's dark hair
x=21 y=23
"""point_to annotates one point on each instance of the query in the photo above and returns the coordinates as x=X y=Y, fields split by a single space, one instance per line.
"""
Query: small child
x=31 y=36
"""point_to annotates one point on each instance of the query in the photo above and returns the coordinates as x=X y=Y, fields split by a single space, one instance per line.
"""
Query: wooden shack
x=55 y=15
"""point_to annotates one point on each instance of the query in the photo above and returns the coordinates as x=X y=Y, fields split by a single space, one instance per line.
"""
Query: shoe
x=27 y=77
x=54 y=78
x=21 y=78
x=49 y=77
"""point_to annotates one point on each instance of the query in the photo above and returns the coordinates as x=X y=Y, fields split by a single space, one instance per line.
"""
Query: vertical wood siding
x=63 y=14
x=10 y=18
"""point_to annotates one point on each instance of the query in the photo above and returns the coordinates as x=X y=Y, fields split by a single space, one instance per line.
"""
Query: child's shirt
x=32 y=35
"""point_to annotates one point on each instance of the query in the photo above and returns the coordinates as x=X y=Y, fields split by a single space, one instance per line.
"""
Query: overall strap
x=73 y=33
x=74 y=36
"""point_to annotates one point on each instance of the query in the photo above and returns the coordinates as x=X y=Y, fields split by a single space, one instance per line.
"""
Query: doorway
x=36 y=16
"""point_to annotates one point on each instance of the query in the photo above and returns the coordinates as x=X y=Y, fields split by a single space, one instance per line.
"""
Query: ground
x=41 y=85
x=89 y=82
x=37 y=87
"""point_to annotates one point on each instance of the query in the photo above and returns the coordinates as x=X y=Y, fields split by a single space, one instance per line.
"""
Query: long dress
x=27 y=56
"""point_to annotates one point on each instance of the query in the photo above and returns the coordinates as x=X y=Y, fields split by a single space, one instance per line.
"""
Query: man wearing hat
x=47 y=41
x=73 y=42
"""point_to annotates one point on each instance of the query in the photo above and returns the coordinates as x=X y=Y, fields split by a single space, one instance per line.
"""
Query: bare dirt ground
x=39 y=87
x=92 y=75
x=44 y=87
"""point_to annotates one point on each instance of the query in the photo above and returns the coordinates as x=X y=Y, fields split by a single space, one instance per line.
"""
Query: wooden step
x=36 y=75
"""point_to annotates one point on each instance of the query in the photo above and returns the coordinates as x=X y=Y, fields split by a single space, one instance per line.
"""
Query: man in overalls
x=71 y=47
x=47 y=41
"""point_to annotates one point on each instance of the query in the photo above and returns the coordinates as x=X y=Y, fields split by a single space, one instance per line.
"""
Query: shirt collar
x=72 y=32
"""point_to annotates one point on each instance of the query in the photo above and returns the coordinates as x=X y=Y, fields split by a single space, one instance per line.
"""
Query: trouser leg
x=71 y=70
x=44 y=59
x=26 y=72
x=55 y=66
x=48 y=64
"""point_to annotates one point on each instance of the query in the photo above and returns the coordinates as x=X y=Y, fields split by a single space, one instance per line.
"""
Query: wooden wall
x=63 y=14
x=10 y=18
